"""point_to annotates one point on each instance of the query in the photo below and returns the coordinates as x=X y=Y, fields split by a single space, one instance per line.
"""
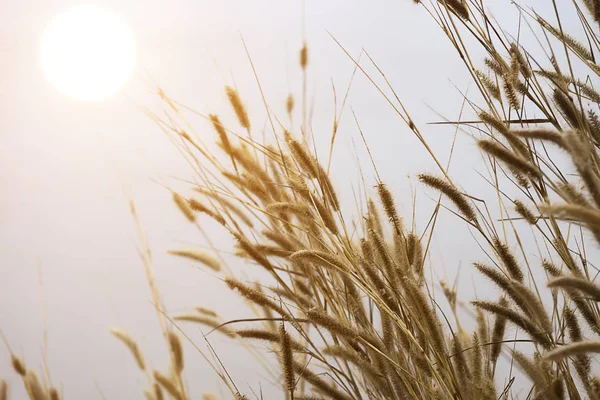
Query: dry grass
x=356 y=311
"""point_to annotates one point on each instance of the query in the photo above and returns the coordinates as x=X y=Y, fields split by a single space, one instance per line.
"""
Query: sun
x=88 y=52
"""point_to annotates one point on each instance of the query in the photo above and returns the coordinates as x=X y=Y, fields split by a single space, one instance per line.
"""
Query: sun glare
x=88 y=52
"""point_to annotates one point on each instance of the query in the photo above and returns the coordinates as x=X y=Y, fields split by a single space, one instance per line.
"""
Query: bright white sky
x=67 y=167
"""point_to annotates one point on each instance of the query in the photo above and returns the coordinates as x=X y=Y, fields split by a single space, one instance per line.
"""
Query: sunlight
x=88 y=52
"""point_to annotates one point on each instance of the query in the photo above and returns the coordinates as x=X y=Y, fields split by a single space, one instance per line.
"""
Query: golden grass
x=351 y=309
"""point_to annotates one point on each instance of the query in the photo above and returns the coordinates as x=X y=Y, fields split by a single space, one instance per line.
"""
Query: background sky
x=68 y=168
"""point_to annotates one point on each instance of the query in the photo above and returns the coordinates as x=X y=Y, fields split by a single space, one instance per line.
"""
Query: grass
x=348 y=308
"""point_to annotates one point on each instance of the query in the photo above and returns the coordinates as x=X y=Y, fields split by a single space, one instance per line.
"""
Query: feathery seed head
x=525 y=213
x=452 y=193
x=289 y=104
x=176 y=351
x=184 y=207
x=168 y=385
x=198 y=255
x=304 y=56
x=131 y=345
x=18 y=365
x=238 y=106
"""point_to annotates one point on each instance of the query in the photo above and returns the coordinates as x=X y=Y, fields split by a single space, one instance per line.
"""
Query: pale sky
x=67 y=168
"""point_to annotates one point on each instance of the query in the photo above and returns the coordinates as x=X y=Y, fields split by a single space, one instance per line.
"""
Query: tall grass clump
x=351 y=311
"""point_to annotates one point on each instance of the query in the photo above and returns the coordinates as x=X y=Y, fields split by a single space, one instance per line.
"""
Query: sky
x=68 y=245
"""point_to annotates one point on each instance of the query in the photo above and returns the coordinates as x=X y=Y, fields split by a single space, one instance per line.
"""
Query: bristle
x=514 y=68
x=228 y=205
x=268 y=336
x=388 y=332
x=532 y=370
x=556 y=78
x=373 y=218
x=252 y=184
x=320 y=258
x=415 y=255
x=508 y=260
x=302 y=156
x=300 y=210
x=452 y=193
x=335 y=326
x=506 y=285
x=581 y=155
x=582 y=362
x=282 y=240
x=594 y=125
x=586 y=215
x=540 y=133
x=216 y=122
x=523 y=65
x=299 y=185
x=305 y=373
x=254 y=252
x=551 y=268
x=501 y=127
x=327 y=188
x=511 y=92
x=514 y=317
x=483 y=331
x=581 y=284
x=489 y=85
x=520 y=179
x=458 y=7
x=326 y=215
x=428 y=315
x=256 y=297
x=572 y=325
x=593 y=7
x=389 y=206
x=351 y=356
x=589 y=92
x=567 y=108
x=497 y=67
x=500 y=152
x=199 y=207
x=460 y=365
x=392 y=272
x=525 y=213
x=573 y=349
x=577 y=212
x=450 y=294
x=287 y=360
x=577 y=47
